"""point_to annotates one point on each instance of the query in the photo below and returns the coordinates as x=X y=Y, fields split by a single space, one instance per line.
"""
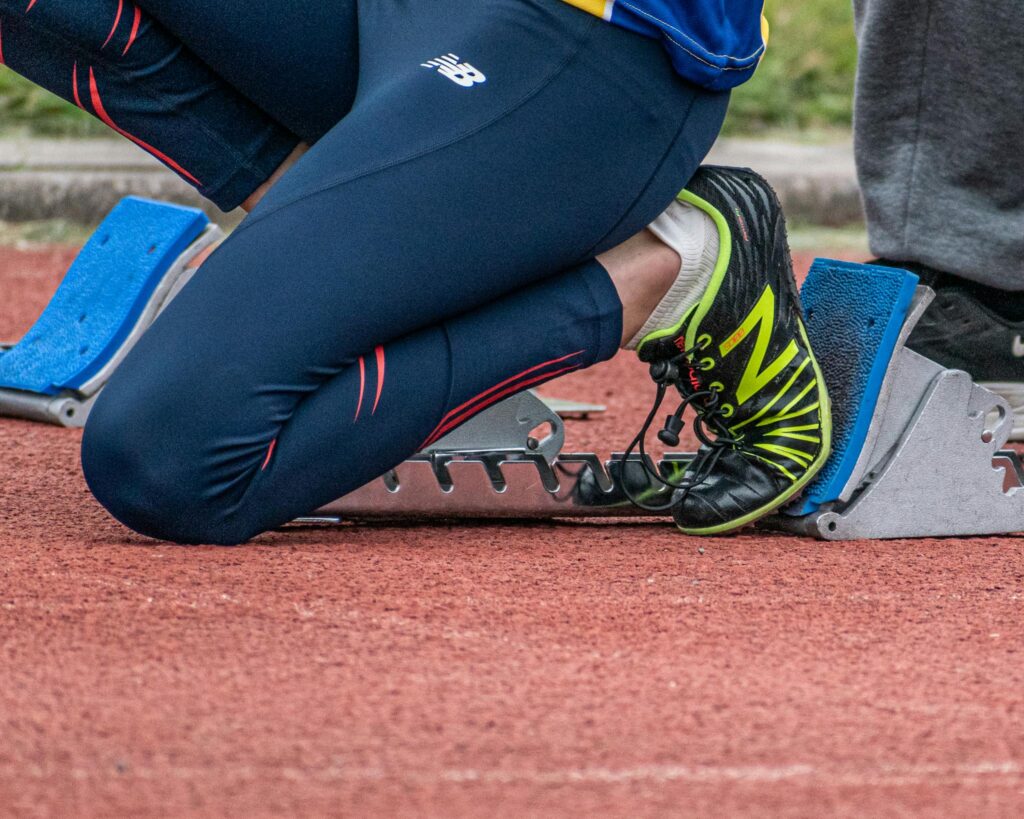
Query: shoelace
x=705 y=403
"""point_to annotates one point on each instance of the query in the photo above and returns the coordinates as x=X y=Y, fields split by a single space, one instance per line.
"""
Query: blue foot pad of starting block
x=854 y=315
x=102 y=297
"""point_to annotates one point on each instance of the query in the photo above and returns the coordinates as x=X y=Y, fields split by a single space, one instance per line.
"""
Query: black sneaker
x=965 y=329
x=741 y=359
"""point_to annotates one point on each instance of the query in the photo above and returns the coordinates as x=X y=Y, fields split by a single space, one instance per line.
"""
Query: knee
x=144 y=468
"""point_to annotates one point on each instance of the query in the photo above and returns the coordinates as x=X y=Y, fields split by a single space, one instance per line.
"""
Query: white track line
x=882 y=775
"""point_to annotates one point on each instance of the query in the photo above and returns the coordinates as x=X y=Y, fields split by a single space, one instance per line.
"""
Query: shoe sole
x=824 y=403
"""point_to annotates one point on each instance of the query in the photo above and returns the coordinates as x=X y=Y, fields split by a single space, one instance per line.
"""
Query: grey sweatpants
x=939 y=134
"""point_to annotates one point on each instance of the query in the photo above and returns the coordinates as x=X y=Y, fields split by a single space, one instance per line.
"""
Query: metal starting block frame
x=933 y=463
x=527 y=477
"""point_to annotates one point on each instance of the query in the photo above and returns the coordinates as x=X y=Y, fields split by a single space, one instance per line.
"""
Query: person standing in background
x=939 y=143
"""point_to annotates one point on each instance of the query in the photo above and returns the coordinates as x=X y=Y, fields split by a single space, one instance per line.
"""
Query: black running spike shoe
x=741 y=360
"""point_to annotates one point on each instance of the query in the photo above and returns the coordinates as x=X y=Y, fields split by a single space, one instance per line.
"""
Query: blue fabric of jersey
x=716 y=44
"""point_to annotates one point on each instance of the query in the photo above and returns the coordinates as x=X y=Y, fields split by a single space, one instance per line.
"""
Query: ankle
x=663 y=271
x=642 y=269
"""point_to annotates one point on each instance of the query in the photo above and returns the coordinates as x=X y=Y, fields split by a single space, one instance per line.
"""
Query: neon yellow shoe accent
x=795 y=436
x=777 y=466
x=797 y=455
x=786 y=416
x=801 y=428
x=756 y=375
x=775 y=400
x=800 y=397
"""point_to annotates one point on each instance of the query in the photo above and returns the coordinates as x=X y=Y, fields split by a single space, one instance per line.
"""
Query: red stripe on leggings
x=507 y=381
x=519 y=387
x=380 y=378
x=135 y=30
x=105 y=117
x=2 y=43
x=362 y=386
x=117 y=20
x=270 y=454
x=30 y=4
x=74 y=86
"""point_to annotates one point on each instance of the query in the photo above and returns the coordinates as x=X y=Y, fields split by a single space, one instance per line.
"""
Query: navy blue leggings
x=432 y=254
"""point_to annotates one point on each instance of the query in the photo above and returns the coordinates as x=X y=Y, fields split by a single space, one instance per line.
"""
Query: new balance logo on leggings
x=458 y=72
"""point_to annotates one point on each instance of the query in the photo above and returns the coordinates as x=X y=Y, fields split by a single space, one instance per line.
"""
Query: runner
x=449 y=202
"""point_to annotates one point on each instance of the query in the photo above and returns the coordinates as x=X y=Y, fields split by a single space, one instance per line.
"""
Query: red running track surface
x=540 y=670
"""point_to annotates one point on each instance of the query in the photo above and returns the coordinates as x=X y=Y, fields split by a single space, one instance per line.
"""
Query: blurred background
x=805 y=84
x=61 y=170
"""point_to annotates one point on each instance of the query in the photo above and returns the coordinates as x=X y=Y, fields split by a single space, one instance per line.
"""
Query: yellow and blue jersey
x=714 y=43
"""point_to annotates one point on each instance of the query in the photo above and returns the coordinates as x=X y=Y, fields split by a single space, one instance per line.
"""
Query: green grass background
x=804 y=84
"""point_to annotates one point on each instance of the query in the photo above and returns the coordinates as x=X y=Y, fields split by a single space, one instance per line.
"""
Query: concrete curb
x=80 y=180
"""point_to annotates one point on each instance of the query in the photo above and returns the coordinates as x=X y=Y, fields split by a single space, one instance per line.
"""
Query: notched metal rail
x=518 y=486
x=509 y=485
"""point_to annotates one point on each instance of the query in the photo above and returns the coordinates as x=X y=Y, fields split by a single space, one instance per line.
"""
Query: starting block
x=130 y=269
x=918 y=450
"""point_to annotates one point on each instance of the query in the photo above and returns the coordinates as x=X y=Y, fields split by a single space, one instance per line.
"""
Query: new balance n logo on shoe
x=757 y=373
x=458 y=72
x=1018 y=347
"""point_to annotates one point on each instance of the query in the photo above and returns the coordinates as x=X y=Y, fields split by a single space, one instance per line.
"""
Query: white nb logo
x=458 y=72
x=1018 y=347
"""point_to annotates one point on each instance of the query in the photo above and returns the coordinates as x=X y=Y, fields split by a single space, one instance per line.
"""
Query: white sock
x=692 y=234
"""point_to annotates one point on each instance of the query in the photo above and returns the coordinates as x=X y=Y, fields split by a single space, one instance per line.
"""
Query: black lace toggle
x=708 y=421
x=665 y=372
x=674 y=424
